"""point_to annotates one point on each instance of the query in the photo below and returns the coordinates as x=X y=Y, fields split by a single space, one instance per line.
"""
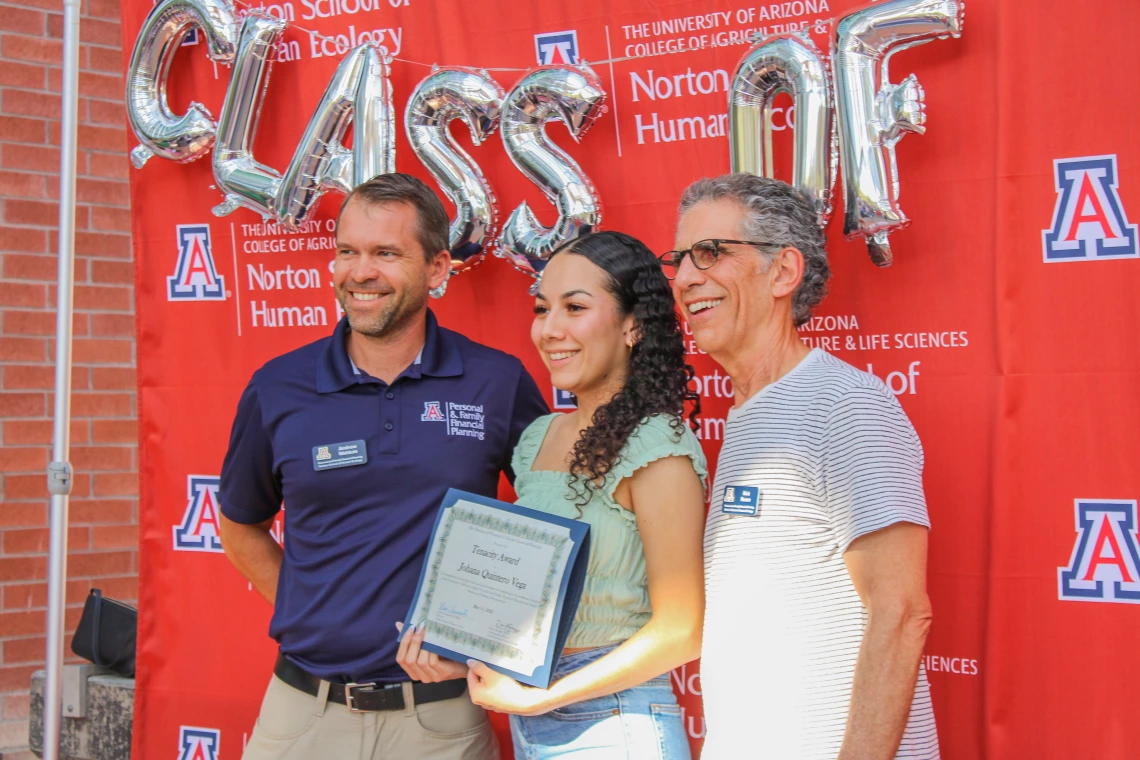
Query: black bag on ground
x=106 y=634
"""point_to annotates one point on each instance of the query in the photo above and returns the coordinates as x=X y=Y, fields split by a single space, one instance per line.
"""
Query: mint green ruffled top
x=615 y=600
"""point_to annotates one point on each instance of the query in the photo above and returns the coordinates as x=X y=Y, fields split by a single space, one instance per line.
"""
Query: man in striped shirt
x=815 y=545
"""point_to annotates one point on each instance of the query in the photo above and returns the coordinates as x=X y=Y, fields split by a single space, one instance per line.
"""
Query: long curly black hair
x=658 y=378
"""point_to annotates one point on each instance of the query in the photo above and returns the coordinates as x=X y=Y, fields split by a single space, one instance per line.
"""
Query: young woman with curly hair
x=626 y=463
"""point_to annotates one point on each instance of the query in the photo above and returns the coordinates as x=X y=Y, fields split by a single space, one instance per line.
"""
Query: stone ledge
x=105 y=734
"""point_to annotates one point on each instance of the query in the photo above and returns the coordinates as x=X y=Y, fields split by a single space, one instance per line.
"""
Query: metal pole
x=59 y=471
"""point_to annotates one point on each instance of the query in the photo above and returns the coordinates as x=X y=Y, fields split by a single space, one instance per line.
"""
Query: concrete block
x=105 y=734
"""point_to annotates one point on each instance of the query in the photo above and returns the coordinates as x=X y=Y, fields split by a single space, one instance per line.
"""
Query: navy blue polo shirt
x=356 y=535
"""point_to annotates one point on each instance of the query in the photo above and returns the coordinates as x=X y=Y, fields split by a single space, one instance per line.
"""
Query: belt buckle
x=349 y=688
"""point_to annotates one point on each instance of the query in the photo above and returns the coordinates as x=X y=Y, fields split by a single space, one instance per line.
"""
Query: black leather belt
x=366 y=697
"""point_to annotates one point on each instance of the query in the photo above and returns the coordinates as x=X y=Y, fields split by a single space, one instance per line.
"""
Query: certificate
x=500 y=584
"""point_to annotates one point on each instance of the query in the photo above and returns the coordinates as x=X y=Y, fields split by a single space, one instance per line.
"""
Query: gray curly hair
x=778 y=213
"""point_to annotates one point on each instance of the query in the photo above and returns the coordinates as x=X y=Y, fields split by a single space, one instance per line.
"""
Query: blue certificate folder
x=569 y=589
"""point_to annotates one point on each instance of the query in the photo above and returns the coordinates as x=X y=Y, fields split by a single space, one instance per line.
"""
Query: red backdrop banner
x=1008 y=327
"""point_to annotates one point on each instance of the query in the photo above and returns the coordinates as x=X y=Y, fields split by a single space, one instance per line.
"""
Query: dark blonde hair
x=431 y=219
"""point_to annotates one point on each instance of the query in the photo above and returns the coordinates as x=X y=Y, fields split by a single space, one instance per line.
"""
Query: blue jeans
x=642 y=723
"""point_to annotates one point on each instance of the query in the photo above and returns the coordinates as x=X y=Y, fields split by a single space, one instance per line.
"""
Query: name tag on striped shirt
x=740 y=500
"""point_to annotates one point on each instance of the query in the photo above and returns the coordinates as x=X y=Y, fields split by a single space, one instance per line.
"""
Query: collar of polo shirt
x=356 y=370
x=439 y=357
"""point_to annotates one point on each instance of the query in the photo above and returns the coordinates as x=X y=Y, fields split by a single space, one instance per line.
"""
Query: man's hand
x=254 y=552
x=888 y=569
x=423 y=665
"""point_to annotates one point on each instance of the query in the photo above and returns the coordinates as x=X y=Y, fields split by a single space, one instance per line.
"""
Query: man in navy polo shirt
x=360 y=434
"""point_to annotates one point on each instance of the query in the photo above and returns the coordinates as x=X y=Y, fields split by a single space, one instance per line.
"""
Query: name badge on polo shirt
x=740 y=500
x=347 y=454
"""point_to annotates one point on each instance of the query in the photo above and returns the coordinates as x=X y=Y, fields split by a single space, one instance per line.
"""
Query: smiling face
x=578 y=327
x=731 y=300
x=380 y=274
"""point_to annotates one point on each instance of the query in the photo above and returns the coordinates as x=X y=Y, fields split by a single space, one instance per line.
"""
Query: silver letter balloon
x=358 y=94
x=792 y=64
x=574 y=96
x=159 y=131
x=873 y=114
x=476 y=99
x=243 y=180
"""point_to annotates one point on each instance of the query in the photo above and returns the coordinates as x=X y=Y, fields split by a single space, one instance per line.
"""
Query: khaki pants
x=295 y=726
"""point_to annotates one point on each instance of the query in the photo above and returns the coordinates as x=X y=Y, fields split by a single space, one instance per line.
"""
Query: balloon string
x=620 y=59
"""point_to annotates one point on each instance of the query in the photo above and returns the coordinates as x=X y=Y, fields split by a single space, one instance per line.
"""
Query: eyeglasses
x=704 y=254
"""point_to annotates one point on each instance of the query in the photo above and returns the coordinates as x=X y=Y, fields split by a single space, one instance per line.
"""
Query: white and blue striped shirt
x=831 y=456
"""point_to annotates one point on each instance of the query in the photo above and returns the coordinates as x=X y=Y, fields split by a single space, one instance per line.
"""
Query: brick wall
x=104 y=509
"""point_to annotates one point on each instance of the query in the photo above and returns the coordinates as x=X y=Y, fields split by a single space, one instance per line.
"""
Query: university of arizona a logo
x=1105 y=566
x=1088 y=221
x=467 y=420
x=199 y=529
x=556 y=47
x=198 y=743
x=432 y=412
x=195 y=277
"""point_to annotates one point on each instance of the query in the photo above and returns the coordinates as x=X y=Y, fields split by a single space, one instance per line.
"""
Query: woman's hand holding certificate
x=500 y=585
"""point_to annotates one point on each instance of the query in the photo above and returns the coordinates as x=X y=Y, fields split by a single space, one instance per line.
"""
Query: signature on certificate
x=449 y=610
x=501 y=628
